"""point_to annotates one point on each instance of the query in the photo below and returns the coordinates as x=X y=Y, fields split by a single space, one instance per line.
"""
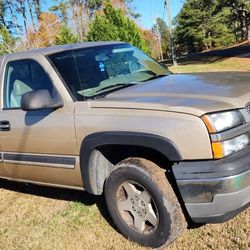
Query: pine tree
x=65 y=36
x=240 y=10
x=200 y=25
x=114 y=25
x=221 y=29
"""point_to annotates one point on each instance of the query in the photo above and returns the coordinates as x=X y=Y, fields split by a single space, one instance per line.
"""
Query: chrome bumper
x=219 y=196
x=223 y=207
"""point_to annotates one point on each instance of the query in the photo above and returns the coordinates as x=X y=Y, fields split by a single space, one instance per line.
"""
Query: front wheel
x=143 y=204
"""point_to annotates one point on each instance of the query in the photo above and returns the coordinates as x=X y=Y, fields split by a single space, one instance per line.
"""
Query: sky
x=151 y=9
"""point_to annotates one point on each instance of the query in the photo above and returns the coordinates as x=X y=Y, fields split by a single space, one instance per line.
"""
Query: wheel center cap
x=138 y=205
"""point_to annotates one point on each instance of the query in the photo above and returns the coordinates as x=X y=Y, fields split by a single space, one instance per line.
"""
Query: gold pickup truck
x=104 y=117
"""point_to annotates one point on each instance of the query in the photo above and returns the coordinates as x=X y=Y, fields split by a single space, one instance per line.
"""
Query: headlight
x=227 y=124
x=225 y=148
x=222 y=121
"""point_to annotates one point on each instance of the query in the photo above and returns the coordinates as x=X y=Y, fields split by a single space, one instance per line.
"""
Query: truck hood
x=185 y=93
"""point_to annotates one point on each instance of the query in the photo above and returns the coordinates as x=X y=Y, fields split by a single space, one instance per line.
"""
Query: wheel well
x=104 y=158
x=117 y=153
x=113 y=154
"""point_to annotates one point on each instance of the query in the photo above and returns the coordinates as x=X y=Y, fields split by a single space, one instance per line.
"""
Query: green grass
x=213 y=65
x=33 y=217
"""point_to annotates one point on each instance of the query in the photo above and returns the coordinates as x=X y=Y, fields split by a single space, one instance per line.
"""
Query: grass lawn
x=235 y=58
x=33 y=217
x=213 y=65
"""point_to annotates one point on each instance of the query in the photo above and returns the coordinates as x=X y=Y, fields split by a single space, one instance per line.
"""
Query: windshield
x=92 y=71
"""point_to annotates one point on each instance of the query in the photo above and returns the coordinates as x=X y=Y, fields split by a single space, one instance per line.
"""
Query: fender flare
x=92 y=141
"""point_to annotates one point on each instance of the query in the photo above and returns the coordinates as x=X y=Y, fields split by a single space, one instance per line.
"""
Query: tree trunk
x=247 y=22
x=23 y=12
x=241 y=17
x=63 y=7
x=248 y=33
x=79 y=19
x=13 y=17
x=37 y=4
x=31 y=15
x=241 y=29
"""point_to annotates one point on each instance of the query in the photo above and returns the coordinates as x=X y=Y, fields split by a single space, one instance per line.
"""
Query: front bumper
x=215 y=190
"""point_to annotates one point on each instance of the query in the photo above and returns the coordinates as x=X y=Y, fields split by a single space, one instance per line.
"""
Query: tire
x=142 y=203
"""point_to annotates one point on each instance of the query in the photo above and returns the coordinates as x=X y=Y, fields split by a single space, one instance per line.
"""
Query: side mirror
x=39 y=99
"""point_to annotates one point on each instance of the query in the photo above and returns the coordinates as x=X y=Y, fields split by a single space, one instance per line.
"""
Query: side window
x=23 y=76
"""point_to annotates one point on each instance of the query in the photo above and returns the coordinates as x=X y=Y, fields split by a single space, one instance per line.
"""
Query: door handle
x=4 y=126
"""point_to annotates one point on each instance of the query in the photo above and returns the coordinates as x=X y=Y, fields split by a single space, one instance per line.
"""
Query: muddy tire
x=142 y=203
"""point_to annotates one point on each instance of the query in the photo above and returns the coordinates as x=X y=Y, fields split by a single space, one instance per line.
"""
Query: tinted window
x=21 y=77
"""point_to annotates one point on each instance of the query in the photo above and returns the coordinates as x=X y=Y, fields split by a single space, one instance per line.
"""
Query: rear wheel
x=142 y=203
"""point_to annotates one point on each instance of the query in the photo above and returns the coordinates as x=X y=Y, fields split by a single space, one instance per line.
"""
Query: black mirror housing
x=39 y=99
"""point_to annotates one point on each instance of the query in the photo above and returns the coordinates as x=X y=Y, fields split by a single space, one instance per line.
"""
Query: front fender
x=92 y=141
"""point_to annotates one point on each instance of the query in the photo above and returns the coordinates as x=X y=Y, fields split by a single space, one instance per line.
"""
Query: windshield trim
x=88 y=47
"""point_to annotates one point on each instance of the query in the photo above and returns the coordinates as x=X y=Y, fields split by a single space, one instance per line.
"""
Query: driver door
x=37 y=146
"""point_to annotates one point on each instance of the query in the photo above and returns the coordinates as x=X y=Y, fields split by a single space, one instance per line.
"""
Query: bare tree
x=80 y=17
x=12 y=7
x=61 y=10
x=18 y=7
x=29 y=3
x=38 y=8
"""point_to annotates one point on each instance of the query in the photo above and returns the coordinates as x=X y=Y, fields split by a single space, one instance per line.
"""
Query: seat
x=19 y=89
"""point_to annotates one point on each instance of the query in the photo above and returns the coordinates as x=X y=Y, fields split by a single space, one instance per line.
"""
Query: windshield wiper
x=155 y=77
x=118 y=85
